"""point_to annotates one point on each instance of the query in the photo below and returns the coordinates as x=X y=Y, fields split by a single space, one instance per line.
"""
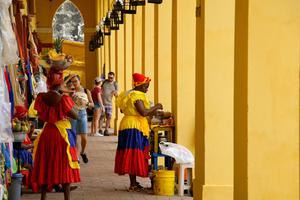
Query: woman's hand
x=159 y=106
x=159 y=113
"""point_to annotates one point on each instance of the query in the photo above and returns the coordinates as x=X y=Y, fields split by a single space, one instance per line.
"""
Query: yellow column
x=241 y=101
x=90 y=61
x=113 y=56
x=102 y=51
x=218 y=74
x=138 y=36
x=155 y=81
x=121 y=58
x=199 y=180
x=273 y=99
x=129 y=51
x=98 y=19
x=120 y=67
x=114 y=68
x=149 y=47
x=164 y=54
x=183 y=72
x=107 y=55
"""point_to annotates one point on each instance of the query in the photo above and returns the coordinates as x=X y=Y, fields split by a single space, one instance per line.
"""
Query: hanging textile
x=29 y=84
x=8 y=45
x=9 y=88
x=33 y=52
x=14 y=27
x=15 y=85
x=3 y=190
x=5 y=110
x=25 y=37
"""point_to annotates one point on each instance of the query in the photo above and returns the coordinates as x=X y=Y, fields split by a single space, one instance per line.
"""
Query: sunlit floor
x=98 y=180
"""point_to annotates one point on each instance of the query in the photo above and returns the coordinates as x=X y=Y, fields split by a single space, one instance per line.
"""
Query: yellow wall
x=128 y=51
x=149 y=47
x=164 y=75
x=138 y=40
x=183 y=72
x=273 y=99
x=76 y=49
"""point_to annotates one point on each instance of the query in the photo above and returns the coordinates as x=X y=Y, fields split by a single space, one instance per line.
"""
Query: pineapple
x=58 y=42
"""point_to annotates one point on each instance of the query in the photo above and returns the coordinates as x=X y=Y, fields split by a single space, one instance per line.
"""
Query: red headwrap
x=139 y=79
x=54 y=78
x=20 y=112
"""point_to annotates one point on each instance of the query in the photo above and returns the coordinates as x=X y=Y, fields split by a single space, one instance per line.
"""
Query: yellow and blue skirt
x=133 y=147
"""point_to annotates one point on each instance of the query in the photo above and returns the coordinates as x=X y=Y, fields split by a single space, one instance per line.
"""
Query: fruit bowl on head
x=61 y=64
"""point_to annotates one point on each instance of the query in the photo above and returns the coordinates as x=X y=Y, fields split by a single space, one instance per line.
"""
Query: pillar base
x=217 y=192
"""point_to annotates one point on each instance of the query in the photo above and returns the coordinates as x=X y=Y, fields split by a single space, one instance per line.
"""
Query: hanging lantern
x=106 y=25
x=114 y=20
x=128 y=8
x=121 y=17
x=155 y=1
x=92 y=45
x=138 y=2
x=99 y=38
x=118 y=5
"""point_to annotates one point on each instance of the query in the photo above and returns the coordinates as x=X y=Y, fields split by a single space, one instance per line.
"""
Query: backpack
x=115 y=84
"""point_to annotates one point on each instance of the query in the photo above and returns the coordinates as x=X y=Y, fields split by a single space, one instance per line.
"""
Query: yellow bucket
x=164 y=182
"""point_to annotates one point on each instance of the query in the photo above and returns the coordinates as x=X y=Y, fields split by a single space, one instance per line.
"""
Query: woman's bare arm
x=140 y=107
x=89 y=95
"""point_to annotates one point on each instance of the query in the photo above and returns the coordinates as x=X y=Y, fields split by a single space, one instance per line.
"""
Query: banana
x=55 y=56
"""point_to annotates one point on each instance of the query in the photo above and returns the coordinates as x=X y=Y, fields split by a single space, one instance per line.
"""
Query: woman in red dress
x=55 y=158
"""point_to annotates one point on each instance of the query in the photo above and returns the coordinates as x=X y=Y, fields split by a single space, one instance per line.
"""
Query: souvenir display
x=16 y=85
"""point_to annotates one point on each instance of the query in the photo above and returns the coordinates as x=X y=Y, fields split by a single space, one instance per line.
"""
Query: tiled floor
x=98 y=180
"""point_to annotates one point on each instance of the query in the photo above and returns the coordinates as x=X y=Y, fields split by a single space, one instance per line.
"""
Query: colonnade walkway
x=98 y=180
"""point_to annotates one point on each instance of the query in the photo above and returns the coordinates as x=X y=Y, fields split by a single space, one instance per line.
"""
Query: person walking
x=98 y=106
x=83 y=99
x=133 y=146
x=54 y=154
x=109 y=89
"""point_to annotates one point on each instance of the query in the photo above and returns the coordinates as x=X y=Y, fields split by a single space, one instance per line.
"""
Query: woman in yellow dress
x=133 y=146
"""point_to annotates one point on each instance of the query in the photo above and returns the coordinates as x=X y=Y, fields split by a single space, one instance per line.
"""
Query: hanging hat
x=140 y=79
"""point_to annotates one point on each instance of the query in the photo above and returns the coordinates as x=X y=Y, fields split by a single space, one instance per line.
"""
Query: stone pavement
x=98 y=180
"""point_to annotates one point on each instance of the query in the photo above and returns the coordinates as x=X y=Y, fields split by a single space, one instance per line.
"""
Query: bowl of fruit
x=20 y=128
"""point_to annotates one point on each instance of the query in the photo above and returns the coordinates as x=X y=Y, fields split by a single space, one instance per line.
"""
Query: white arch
x=66 y=27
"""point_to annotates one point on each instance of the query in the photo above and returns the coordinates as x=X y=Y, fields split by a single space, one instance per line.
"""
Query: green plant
x=58 y=42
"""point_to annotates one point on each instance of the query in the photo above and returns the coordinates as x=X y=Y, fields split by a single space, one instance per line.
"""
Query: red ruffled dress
x=55 y=158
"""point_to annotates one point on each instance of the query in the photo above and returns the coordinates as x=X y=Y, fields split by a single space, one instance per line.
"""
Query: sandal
x=136 y=188
x=139 y=186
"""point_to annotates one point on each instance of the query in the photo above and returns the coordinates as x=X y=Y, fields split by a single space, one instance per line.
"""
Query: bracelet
x=87 y=104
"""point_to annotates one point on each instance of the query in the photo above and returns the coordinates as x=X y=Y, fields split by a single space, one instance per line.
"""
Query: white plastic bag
x=180 y=153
